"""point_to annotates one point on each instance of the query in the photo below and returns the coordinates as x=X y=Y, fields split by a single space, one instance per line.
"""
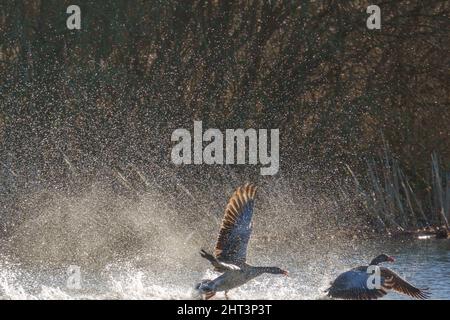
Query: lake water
x=425 y=263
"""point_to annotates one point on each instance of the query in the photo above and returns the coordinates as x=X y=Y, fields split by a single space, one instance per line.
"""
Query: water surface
x=425 y=263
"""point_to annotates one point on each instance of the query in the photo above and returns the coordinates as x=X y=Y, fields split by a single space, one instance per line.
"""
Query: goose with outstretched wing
x=231 y=249
x=358 y=283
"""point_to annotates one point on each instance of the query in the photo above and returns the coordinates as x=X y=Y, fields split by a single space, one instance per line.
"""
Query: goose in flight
x=356 y=284
x=231 y=248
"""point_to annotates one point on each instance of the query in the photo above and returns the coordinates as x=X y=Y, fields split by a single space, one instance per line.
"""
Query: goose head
x=276 y=270
x=381 y=258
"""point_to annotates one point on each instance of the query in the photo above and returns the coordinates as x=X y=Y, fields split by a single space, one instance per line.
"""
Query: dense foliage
x=109 y=95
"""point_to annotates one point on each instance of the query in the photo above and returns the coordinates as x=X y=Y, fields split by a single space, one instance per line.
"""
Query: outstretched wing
x=402 y=286
x=218 y=266
x=236 y=226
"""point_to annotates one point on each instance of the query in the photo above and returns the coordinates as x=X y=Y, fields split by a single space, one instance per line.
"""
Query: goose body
x=358 y=284
x=234 y=278
x=231 y=248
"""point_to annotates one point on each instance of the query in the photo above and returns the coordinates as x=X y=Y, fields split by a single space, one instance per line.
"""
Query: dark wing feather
x=218 y=266
x=353 y=285
x=236 y=226
x=402 y=286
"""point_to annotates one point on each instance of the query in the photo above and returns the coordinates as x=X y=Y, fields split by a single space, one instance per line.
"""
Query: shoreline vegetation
x=396 y=207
